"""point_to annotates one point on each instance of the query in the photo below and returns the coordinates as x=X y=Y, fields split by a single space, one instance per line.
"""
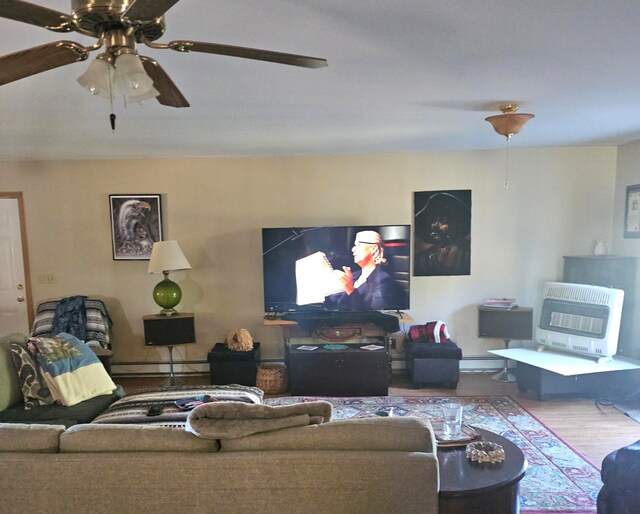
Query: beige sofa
x=370 y=465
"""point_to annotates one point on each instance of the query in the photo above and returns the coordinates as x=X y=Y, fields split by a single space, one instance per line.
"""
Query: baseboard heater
x=580 y=318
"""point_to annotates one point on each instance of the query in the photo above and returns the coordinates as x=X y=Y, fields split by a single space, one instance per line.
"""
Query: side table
x=233 y=367
x=468 y=487
x=104 y=355
x=169 y=331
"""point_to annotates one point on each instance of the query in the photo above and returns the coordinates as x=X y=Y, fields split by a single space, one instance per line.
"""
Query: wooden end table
x=468 y=487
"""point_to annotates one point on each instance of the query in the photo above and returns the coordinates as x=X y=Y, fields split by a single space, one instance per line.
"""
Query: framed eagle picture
x=136 y=223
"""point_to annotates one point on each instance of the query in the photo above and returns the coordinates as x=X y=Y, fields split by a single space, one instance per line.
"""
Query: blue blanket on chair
x=69 y=316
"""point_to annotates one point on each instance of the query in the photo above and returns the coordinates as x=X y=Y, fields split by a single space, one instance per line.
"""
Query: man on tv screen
x=370 y=288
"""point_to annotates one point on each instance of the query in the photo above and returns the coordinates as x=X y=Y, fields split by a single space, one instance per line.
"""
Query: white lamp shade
x=167 y=256
x=98 y=78
x=130 y=77
x=152 y=93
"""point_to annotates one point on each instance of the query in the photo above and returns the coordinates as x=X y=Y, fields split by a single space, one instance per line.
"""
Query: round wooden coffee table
x=468 y=487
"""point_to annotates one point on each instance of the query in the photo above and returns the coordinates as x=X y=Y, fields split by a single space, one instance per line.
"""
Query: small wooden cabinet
x=352 y=371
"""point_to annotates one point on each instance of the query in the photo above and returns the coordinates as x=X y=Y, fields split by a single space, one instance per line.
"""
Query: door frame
x=25 y=250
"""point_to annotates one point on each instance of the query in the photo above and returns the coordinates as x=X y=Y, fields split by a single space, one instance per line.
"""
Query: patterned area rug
x=558 y=479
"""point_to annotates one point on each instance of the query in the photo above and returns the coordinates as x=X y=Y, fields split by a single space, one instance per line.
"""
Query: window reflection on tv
x=350 y=268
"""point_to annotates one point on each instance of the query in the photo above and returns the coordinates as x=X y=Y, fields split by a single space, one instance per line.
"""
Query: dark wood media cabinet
x=352 y=371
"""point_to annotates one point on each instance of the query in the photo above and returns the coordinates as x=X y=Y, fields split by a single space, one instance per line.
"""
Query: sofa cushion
x=16 y=437
x=132 y=438
x=10 y=392
x=56 y=414
x=406 y=434
x=34 y=389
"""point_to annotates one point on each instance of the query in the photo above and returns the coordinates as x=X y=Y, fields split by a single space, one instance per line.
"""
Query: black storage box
x=233 y=367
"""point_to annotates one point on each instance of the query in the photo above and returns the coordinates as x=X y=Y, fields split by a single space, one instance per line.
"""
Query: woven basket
x=272 y=378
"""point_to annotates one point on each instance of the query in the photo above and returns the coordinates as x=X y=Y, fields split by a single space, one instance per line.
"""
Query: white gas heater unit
x=579 y=318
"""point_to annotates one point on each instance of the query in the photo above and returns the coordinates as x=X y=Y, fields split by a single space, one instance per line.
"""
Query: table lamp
x=166 y=256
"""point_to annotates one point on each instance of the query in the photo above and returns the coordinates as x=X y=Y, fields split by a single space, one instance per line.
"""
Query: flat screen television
x=302 y=268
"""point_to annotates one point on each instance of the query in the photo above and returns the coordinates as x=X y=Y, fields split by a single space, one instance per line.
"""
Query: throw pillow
x=34 y=388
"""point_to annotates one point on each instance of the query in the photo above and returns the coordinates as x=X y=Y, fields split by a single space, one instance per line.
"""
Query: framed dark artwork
x=136 y=223
x=442 y=233
x=632 y=212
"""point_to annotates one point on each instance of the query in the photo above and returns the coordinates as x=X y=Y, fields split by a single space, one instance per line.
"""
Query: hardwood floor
x=593 y=430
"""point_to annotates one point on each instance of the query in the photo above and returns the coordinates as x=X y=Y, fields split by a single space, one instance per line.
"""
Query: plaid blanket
x=134 y=408
x=97 y=321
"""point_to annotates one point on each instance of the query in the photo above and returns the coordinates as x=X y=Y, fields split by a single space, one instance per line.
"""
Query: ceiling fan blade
x=148 y=9
x=170 y=95
x=249 y=53
x=34 y=60
x=36 y=15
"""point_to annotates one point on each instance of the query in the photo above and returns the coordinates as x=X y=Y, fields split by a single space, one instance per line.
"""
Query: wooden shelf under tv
x=338 y=333
x=402 y=317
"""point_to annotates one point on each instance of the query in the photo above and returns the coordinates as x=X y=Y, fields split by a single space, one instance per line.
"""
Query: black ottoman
x=232 y=367
x=433 y=363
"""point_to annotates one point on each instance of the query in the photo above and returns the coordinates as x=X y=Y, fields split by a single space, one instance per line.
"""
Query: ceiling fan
x=119 y=26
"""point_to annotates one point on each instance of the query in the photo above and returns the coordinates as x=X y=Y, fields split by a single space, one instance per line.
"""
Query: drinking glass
x=452 y=419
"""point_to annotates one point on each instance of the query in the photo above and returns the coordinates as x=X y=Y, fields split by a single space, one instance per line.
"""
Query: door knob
x=20 y=298
x=20 y=287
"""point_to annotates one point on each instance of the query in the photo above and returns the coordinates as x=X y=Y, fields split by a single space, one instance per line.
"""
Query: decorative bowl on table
x=485 y=452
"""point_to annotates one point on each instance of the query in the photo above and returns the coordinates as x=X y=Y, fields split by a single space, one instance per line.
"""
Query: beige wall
x=560 y=201
x=628 y=175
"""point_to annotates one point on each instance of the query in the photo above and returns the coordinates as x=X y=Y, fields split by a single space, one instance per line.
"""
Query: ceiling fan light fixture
x=98 y=77
x=130 y=77
x=510 y=122
x=151 y=93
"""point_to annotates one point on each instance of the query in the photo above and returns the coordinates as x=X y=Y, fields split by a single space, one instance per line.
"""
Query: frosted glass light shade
x=167 y=256
x=509 y=124
x=98 y=78
x=130 y=78
x=152 y=93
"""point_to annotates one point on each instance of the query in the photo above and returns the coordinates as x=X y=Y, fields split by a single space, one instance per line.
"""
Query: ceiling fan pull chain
x=112 y=116
x=506 y=171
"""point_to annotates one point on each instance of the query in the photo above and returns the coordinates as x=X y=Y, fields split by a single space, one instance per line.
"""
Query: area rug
x=558 y=479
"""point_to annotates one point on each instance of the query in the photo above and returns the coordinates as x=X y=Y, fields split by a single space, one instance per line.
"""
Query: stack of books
x=500 y=303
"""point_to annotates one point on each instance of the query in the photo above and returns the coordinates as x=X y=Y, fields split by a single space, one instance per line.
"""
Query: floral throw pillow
x=34 y=388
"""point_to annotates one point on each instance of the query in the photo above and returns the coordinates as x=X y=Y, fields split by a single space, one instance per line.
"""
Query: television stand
x=350 y=371
x=339 y=370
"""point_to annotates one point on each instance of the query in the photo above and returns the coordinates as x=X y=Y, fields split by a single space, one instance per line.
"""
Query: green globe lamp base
x=167 y=294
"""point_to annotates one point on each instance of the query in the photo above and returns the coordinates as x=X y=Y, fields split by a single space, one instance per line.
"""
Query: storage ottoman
x=233 y=367
x=433 y=363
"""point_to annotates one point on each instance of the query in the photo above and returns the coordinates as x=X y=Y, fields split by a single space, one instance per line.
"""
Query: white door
x=15 y=298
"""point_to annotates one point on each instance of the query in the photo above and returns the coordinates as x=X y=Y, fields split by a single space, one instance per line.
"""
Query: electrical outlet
x=47 y=278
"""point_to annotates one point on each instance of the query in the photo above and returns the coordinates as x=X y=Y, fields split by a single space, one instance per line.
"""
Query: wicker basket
x=272 y=378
